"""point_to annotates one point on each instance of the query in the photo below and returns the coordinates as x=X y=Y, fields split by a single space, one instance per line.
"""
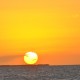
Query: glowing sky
x=50 y=28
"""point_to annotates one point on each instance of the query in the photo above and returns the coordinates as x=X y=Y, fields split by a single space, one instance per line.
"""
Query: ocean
x=40 y=72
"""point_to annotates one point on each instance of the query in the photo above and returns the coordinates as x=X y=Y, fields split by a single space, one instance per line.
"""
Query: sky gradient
x=49 y=28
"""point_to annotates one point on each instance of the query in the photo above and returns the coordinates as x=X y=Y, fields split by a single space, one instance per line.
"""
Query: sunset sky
x=51 y=28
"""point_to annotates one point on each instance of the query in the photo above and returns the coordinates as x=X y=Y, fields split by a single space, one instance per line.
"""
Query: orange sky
x=50 y=28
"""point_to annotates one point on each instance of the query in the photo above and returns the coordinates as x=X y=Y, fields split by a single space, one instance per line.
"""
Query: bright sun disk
x=30 y=57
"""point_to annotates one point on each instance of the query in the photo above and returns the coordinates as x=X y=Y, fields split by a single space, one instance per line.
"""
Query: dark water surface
x=40 y=72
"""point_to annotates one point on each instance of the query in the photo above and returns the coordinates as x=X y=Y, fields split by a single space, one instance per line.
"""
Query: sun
x=30 y=57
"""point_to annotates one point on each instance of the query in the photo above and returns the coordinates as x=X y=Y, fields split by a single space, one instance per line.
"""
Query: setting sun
x=30 y=58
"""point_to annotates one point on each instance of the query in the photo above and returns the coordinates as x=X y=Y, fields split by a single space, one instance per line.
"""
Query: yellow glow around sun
x=30 y=58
